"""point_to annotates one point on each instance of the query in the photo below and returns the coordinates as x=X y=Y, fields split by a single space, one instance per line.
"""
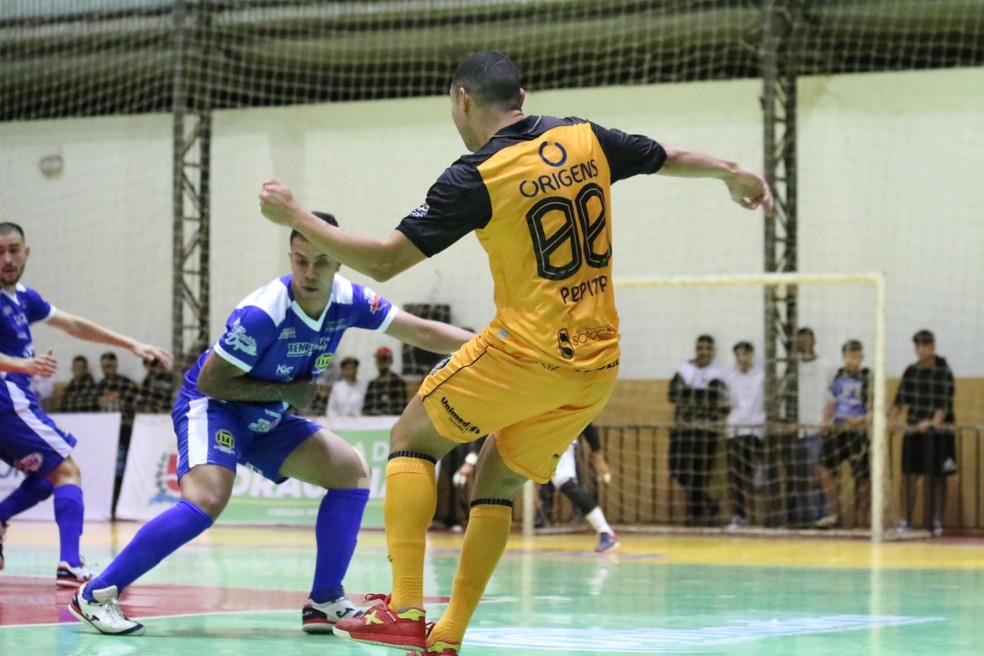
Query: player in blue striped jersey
x=233 y=408
x=29 y=440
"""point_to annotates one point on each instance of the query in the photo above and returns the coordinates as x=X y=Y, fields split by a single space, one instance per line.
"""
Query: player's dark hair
x=744 y=347
x=108 y=355
x=852 y=346
x=924 y=337
x=347 y=361
x=8 y=227
x=705 y=339
x=324 y=216
x=491 y=78
x=806 y=331
x=81 y=358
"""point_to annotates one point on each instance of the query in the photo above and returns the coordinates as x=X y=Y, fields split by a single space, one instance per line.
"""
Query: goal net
x=347 y=101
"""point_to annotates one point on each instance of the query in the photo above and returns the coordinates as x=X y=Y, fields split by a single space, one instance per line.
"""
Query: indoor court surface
x=240 y=591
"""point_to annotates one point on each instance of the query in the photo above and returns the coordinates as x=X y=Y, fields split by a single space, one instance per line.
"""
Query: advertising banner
x=98 y=436
x=150 y=483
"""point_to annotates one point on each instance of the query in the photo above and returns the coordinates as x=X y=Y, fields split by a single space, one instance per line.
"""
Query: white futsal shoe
x=103 y=613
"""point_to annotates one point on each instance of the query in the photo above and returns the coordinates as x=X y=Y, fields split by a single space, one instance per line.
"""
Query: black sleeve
x=678 y=390
x=902 y=393
x=629 y=154
x=456 y=204
x=591 y=436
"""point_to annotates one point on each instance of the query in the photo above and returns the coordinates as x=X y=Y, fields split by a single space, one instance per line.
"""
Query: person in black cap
x=387 y=392
x=929 y=447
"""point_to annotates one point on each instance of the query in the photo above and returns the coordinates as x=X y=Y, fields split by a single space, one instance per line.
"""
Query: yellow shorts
x=535 y=412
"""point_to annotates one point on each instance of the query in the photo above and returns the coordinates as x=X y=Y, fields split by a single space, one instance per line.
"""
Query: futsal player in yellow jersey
x=536 y=191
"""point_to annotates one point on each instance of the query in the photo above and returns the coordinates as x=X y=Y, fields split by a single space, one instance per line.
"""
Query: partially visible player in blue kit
x=233 y=409
x=29 y=440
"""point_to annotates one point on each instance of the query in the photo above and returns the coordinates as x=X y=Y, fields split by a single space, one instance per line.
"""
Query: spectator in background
x=745 y=430
x=80 y=393
x=347 y=394
x=699 y=394
x=116 y=393
x=814 y=377
x=387 y=392
x=156 y=393
x=44 y=389
x=845 y=429
x=929 y=447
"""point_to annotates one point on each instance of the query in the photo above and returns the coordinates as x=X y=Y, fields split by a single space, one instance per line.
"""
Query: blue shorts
x=29 y=440
x=211 y=432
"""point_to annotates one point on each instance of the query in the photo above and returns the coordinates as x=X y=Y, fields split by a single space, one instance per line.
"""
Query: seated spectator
x=156 y=393
x=347 y=393
x=387 y=392
x=80 y=393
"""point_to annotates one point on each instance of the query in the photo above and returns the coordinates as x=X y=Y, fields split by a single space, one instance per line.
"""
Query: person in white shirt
x=347 y=393
x=745 y=430
x=815 y=374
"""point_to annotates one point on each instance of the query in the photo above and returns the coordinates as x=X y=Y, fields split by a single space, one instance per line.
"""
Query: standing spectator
x=745 y=429
x=116 y=393
x=80 y=393
x=44 y=389
x=846 y=434
x=387 y=392
x=815 y=375
x=347 y=394
x=929 y=447
x=156 y=393
x=699 y=394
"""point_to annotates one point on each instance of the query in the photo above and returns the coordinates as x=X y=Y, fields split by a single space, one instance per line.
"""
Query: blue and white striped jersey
x=19 y=310
x=269 y=336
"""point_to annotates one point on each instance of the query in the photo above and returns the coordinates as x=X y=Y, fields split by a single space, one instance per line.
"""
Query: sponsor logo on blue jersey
x=237 y=339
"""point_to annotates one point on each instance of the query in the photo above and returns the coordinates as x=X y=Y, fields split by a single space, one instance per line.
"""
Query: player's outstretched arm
x=90 y=331
x=225 y=381
x=378 y=259
x=747 y=189
x=43 y=366
x=433 y=336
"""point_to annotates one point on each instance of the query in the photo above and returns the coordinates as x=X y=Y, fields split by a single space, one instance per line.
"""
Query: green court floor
x=239 y=591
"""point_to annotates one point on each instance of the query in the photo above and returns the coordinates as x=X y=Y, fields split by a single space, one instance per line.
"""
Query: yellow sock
x=485 y=540
x=408 y=509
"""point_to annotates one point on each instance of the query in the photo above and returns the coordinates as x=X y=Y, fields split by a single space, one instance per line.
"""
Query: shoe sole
x=317 y=627
x=417 y=648
x=611 y=548
x=74 y=610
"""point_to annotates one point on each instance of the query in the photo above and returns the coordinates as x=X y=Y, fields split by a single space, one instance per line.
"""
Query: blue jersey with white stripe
x=19 y=310
x=269 y=337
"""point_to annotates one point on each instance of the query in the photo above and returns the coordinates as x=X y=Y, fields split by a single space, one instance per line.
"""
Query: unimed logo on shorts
x=463 y=423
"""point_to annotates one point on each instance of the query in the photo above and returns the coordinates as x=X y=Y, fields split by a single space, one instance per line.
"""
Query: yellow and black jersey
x=538 y=196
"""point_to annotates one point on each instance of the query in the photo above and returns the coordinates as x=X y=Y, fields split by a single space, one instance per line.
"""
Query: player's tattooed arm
x=223 y=380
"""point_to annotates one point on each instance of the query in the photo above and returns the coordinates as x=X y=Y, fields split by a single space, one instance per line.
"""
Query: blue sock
x=336 y=532
x=157 y=539
x=69 y=513
x=32 y=491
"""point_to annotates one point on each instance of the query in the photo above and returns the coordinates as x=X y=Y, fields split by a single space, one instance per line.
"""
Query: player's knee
x=67 y=472
x=38 y=487
x=360 y=470
x=581 y=498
